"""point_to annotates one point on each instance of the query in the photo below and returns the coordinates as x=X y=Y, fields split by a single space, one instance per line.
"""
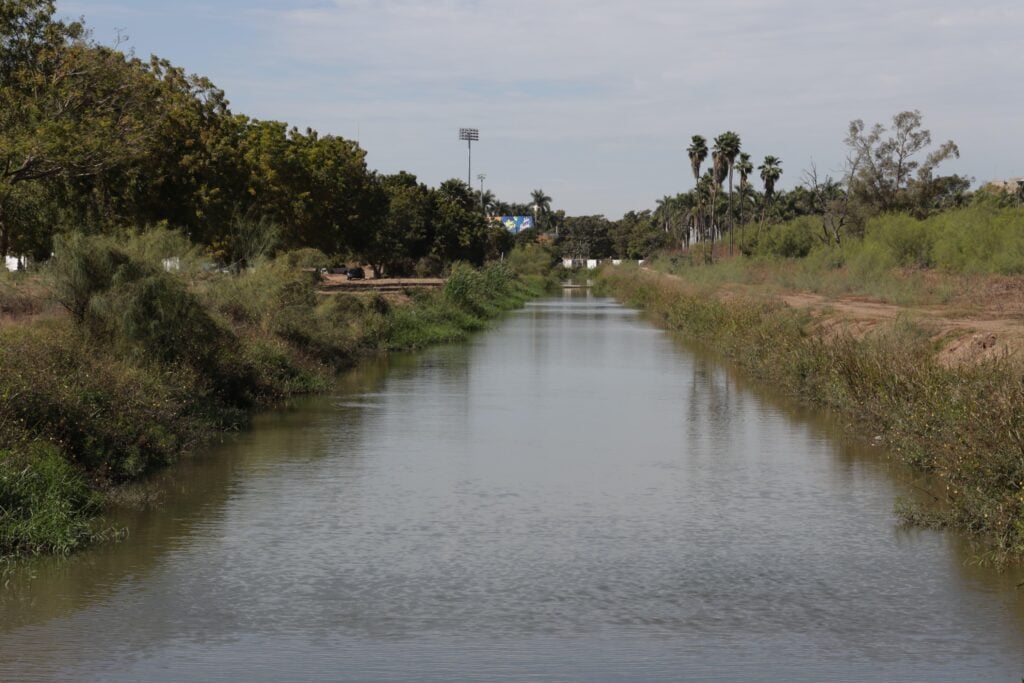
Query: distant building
x=1010 y=185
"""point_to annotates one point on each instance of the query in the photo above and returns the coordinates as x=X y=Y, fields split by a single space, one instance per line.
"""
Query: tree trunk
x=5 y=238
x=714 y=225
x=732 y=217
x=764 y=216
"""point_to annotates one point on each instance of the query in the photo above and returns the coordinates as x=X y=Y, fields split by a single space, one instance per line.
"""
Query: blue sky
x=595 y=100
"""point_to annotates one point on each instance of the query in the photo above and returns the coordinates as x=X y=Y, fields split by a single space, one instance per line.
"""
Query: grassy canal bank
x=963 y=424
x=111 y=367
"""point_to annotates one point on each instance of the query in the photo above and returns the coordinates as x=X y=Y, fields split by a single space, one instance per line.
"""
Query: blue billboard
x=516 y=224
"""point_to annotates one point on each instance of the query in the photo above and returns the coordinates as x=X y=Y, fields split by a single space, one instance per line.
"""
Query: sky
x=595 y=101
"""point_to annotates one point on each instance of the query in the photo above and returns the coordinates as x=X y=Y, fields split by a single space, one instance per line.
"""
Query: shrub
x=116 y=418
x=157 y=316
x=466 y=288
x=962 y=425
x=429 y=266
x=85 y=266
x=45 y=504
x=164 y=248
x=531 y=259
x=303 y=258
x=906 y=240
x=980 y=239
x=150 y=362
x=793 y=239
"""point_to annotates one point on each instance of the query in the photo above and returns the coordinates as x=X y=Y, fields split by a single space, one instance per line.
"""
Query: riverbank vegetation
x=921 y=247
x=169 y=247
x=963 y=425
x=116 y=366
x=168 y=254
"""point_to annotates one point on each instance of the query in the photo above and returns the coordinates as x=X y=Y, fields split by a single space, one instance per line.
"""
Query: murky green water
x=569 y=497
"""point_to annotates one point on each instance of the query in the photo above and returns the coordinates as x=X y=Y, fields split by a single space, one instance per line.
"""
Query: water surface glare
x=571 y=496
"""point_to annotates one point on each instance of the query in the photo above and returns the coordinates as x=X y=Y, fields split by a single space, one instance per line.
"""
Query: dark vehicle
x=356 y=273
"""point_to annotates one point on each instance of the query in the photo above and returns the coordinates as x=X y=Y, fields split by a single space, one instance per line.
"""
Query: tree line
x=97 y=140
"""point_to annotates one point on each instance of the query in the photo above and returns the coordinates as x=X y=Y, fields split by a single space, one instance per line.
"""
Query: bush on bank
x=980 y=239
x=149 y=362
x=964 y=426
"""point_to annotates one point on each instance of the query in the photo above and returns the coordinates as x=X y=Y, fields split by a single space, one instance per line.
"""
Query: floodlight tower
x=481 y=177
x=469 y=135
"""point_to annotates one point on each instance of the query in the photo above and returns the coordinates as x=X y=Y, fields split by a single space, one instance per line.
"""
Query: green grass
x=898 y=259
x=820 y=272
x=45 y=504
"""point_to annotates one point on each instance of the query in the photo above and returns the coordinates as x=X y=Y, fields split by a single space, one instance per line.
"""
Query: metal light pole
x=481 y=177
x=469 y=135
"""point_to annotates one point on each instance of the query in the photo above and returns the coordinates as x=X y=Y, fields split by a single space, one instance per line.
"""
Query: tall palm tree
x=687 y=215
x=664 y=211
x=719 y=172
x=706 y=195
x=541 y=205
x=771 y=170
x=745 y=168
x=487 y=202
x=457 y=192
x=698 y=152
x=728 y=145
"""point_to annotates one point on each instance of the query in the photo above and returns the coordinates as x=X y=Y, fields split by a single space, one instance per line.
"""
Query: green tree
x=771 y=171
x=745 y=168
x=68 y=107
x=728 y=145
x=456 y=191
x=317 y=188
x=885 y=171
x=698 y=152
x=459 y=230
x=587 y=237
x=190 y=175
x=541 y=205
x=487 y=202
x=193 y=175
x=637 y=235
x=719 y=172
x=677 y=218
x=404 y=237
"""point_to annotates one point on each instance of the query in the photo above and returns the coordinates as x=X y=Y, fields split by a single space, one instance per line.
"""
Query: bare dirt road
x=984 y=320
x=966 y=336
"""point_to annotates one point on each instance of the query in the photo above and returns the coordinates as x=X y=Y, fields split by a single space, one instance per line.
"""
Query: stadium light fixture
x=470 y=135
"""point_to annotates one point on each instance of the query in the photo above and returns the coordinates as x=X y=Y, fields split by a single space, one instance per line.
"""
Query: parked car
x=339 y=270
x=356 y=273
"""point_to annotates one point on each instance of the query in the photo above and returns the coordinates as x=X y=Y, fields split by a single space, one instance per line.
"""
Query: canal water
x=571 y=496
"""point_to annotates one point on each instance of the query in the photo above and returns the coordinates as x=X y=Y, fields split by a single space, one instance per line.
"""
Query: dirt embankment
x=967 y=330
x=985 y=320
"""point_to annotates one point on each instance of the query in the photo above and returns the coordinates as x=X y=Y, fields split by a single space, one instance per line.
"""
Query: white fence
x=593 y=263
